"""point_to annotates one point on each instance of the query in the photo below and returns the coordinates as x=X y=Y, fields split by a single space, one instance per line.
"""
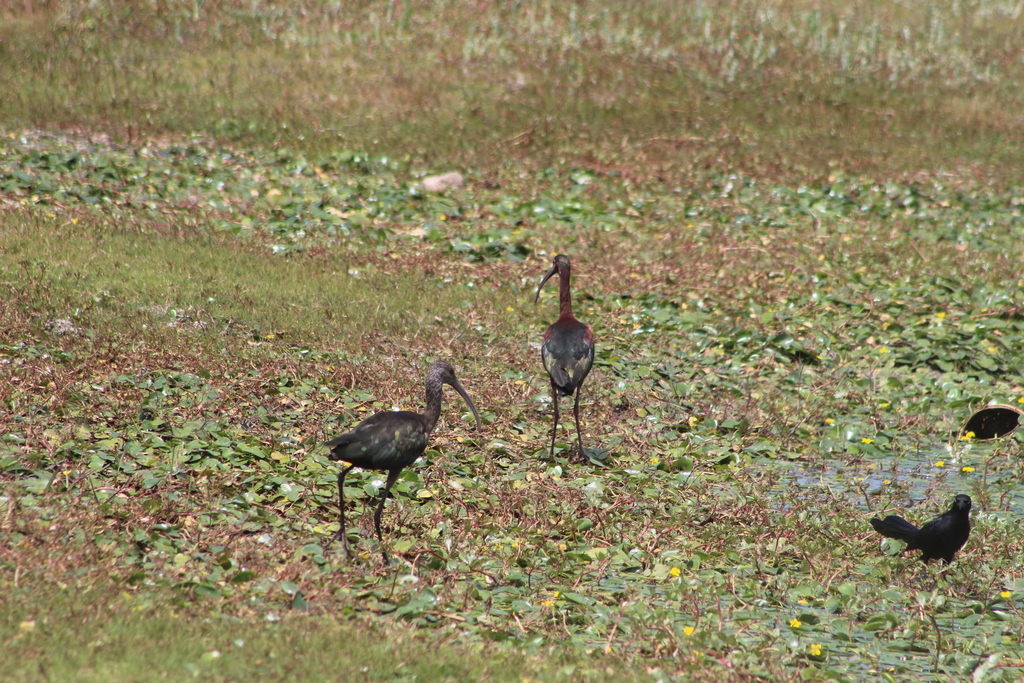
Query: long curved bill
x=554 y=269
x=462 y=392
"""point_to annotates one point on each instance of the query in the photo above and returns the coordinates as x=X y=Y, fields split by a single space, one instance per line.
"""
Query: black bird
x=392 y=441
x=939 y=538
x=568 y=349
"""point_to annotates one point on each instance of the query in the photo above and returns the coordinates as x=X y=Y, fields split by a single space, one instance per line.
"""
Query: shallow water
x=990 y=472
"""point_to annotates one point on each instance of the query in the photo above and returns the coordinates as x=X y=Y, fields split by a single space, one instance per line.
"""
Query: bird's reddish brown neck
x=564 y=294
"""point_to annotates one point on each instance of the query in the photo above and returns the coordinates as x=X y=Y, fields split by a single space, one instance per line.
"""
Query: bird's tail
x=894 y=527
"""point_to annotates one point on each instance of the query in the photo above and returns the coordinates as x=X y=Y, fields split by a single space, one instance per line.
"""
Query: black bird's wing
x=568 y=356
x=383 y=441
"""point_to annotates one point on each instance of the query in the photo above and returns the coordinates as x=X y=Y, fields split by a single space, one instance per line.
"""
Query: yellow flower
x=829 y=421
x=968 y=436
x=966 y=468
x=675 y=572
x=885 y=405
x=815 y=649
x=557 y=594
x=688 y=631
x=803 y=601
x=886 y=482
x=940 y=463
x=796 y=623
x=1020 y=400
x=655 y=461
x=883 y=350
x=510 y=309
x=940 y=316
x=867 y=440
x=1006 y=595
x=548 y=602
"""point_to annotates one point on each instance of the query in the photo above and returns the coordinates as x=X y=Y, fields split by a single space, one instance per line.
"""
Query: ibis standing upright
x=568 y=349
x=392 y=441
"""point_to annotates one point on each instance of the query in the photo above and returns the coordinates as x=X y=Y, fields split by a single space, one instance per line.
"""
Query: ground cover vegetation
x=796 y=235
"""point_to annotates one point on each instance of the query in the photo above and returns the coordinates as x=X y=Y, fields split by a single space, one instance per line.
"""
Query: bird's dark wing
x=895 y=527
x=944 y=536
x=939 y=526
x=383 y=441
x=568 y=358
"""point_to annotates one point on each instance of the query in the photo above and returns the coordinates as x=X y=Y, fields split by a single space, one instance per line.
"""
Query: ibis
x=568 y=348
x=392 y=441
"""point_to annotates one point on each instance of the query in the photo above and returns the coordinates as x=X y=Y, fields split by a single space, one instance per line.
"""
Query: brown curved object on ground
x=993 y=421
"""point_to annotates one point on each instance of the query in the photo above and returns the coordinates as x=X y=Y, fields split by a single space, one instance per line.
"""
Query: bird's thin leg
x=576 y=414
x=341 y=510
x=392 y=477
x=554 y=427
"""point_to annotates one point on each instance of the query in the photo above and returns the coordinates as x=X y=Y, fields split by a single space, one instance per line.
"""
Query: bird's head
x=557 y=264
x=441 y=372
x=962 y=503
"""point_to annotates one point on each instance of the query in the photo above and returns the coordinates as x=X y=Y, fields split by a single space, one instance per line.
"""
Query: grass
x=787 y=88
x=112 y=637
x=795 y=234
x=129 y=272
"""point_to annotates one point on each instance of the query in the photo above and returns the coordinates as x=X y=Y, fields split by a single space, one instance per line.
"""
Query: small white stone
x=61 y=326
x=440 y=183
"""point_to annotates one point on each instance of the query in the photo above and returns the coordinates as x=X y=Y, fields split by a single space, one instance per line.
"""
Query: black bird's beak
x=962 y=502
x=554 y=269
x=462 y=392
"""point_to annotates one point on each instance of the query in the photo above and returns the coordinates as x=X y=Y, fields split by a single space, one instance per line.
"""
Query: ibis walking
x=568 y=349
x=392 y=441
